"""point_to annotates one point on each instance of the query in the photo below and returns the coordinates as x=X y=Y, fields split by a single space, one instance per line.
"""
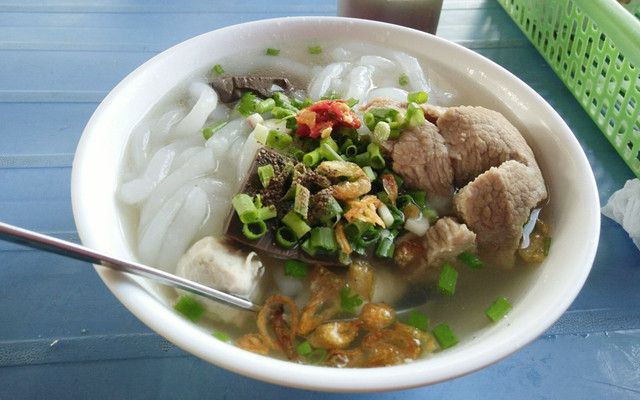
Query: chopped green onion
x=323 y=239
x=382 y=131
x=304 y=348
x=418 y=320
x=403 y=80
x=315 y=49
x=312 y=158
x=329 y=153
x=376 y=158
x=344 y=258
x=190 y=308
x=417 y=97
x=306 y=246
x=498 y=309
x=301 y=201
x=317 y=356
x=430 y=214
x=212 y=129
x=363 y=159
x=297 y=225
x=547 y=245
x=418 y=196
x=255 y=229
x=221 y=336
x=257 y=201
x=357 y=228
x=331 y=95
x=278 y=140
x=349 y=303
x=282 y=112
x=260 y=133
x=368 y=171
x=265 y=106
x=415 y=115
x=245 y=208
x=444 y=336
x=368 y=238
x=330 y=142
x=369 y=120
x=386 y=247
x=349 y=149
x=265 y=173
x=295 y=268
x=218 y=69
x=286 y=237
x=470 y=260
x=447 y=280
x=273 y=52
x=351 y=102
x=330 y=210
x=267 y=212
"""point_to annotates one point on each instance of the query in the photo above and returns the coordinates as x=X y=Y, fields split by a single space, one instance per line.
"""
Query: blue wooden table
x=64 y=336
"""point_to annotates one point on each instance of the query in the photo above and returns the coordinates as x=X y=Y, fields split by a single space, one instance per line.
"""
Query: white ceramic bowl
x=557 y=283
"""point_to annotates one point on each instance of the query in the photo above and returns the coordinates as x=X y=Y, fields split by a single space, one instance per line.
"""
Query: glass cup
x=418 y=14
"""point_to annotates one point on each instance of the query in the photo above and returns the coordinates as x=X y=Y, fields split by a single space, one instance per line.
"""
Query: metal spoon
x=35 y=240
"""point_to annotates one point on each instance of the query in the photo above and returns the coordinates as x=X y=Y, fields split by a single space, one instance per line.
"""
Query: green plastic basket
x=594 y=47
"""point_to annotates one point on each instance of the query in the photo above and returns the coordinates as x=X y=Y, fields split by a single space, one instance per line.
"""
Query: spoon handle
x=51 y=244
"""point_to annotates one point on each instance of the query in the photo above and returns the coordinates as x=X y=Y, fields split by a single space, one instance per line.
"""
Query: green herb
x=470 y=260
x=190 y=308
x=447 y=280
x=295 y=268
x=498 y=309
x=418 y=320
x=212 y=129
x=315 y=49
x=349 y=303
x=221 y=336
x=403 y=80
x=247 y=105
x=273 y=52
x=444 y=336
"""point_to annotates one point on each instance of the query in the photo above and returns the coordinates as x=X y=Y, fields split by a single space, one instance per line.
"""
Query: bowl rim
x=151 y=311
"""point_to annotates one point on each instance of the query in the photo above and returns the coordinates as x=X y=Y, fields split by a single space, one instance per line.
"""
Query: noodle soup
x=178 y=184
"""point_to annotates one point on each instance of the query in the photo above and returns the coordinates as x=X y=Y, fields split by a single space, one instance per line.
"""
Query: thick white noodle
x=196 y=166
x=182 y=229
x=195 y=119
x=151 y=236
x=359 y=83
x=411 y=67
x=322 y=82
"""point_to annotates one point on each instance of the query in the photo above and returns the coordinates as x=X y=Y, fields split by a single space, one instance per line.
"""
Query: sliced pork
x=496 y=205
x=478 y=139
x=421 y=258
